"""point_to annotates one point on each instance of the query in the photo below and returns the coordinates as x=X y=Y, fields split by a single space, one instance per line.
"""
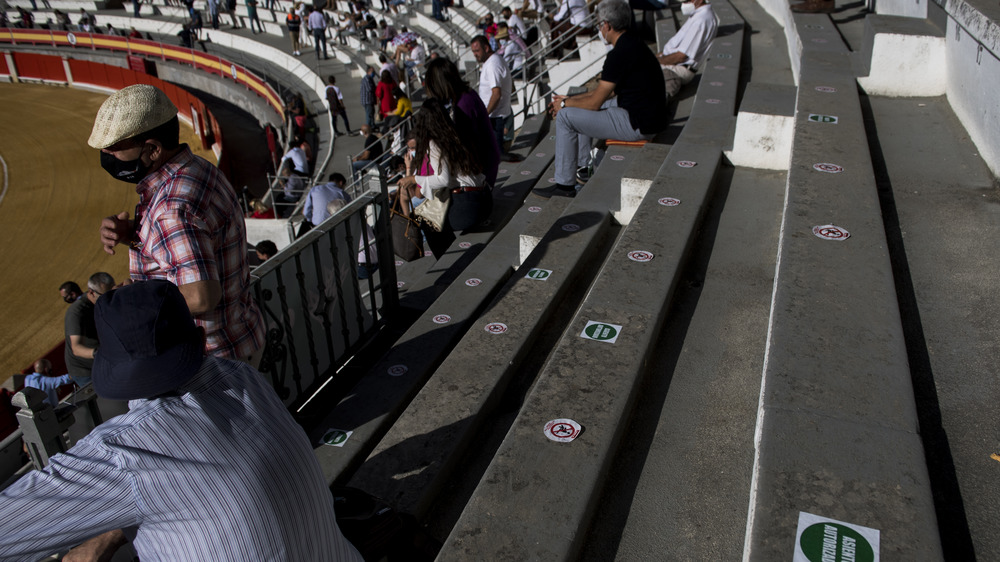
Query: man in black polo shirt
x=639 y=110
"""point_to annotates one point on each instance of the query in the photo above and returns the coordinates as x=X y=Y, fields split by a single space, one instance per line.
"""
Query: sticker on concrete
x=399 y=284
x=617 y=157
x=826 y=89
x=503 y=171
x=819 y=40
x=715 y=84
x=441 y=319
x=534 y=209
x=668 y=201
x=816 y=118
x=713 y=101
x=336 y=437
x=509 y=193
x=562 y=430
x=496 y=327
x=640 y=256
x=720 y=67
x=539 y=155
x=552 y=180
x=814 y=26
x=399 y=263
x=571 y=227
x=465 y=244
x=686 y=163
x=821 y=539
x=552 y=137
x=723 y=56
x=473 y=282
x=525 y=172
x=600 y=331
x=828 y=168
x=538 y=274
x=397 y=370
x=428 y=253
x=831 y=232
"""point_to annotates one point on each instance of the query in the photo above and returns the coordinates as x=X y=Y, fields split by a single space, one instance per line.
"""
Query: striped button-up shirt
x=368 y=89
x=191 y=229
x=217 y=470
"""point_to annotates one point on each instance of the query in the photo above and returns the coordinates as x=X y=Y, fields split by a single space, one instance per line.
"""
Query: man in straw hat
x=208 y=464
x=188 y=227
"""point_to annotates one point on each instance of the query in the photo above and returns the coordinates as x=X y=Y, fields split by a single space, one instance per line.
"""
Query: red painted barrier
x=201 y=61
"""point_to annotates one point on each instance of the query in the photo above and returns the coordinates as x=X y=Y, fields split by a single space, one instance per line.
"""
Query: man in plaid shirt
x=188 y=227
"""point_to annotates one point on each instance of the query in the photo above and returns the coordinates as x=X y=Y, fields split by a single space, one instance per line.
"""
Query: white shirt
x=443 y=177
x=393 y=71
x=494 y=74
x=695 y=36
x=418 y=54
x=515 y=22
x=577 y=10
x=299 y=160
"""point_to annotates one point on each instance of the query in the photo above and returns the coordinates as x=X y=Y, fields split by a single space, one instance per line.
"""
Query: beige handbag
x=434 y=210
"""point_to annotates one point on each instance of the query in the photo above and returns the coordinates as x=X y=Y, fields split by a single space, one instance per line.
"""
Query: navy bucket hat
x=150 y=344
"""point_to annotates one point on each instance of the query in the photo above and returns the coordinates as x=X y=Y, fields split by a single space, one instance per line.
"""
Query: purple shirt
x=477 y=131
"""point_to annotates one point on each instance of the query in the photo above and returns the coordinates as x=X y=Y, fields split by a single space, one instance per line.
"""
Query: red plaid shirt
x=190 y=228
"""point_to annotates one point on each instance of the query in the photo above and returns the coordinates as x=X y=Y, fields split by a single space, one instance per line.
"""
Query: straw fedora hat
x=129 y=112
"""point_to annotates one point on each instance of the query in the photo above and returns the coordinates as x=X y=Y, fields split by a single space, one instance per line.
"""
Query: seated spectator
x=513 y=50
x=43 y=380
x=566 y=24
x=371 y=153
x=187 y=36
x=345 y=28
x=388 y=33
x=265 y=250
x=443 y=167
x=25 y=20
x=531 y=9
x=70 y=292
x=86 y=22
x=292 y=187
x=134 y=34
x=390 y=66
x=404 y=107
x=638 y=110
x=396 y=168
x=514 y=21
x=258 y=210
x=410 y=56
x=299 y=158
x=320 y=197
x=688 y=46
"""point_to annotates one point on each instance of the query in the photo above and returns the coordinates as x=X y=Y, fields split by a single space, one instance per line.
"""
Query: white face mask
x=687 y=8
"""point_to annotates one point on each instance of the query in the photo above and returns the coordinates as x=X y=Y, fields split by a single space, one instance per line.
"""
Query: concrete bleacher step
x=837 y=434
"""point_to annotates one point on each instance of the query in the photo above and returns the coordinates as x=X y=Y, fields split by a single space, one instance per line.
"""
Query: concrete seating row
x=837 y=433
x=537 y=496
x=373 y=405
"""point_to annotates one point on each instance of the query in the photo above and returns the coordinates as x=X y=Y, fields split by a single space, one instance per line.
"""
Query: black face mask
x=131 y=171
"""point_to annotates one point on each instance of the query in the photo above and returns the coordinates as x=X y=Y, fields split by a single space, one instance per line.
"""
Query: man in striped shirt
x=208 y=464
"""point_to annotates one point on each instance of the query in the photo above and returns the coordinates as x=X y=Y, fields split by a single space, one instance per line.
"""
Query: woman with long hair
x=383 y=92
x=444 y=82
x=442 y=167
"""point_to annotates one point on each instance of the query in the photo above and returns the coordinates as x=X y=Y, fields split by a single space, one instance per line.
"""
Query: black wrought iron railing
x=325 y=296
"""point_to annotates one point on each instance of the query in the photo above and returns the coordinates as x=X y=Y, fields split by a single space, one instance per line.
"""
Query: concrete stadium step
x=837 y=433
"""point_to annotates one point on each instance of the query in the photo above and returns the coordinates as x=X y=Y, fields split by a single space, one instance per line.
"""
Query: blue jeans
x=320 y=36
x=497 y=123
x=370 y=115
x=575 y=129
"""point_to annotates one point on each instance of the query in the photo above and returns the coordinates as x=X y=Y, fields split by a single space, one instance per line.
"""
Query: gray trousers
x=575 y=129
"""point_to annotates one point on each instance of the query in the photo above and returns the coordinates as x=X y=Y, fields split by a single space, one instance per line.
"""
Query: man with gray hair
x=638 y=111
x=81 y=335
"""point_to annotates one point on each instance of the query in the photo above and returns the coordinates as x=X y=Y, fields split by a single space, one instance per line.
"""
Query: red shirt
x=191 y=229
x=387 y=103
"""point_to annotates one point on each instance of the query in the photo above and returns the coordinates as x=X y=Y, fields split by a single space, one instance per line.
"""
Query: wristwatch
x=562 y=103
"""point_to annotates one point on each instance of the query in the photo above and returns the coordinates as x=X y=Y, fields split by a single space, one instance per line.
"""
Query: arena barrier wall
x=93 y=41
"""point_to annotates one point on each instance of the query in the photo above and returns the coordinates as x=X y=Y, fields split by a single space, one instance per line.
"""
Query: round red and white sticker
x=617 y=157
x=826 y=89
x=668 y=201
x=428 y=253
x=496 y=328
x=831 y=232
x=640 y=255
x=525 y=172
x=503 y=171
x=465 y=244
x=713 y=101
x=552 y=180
x=562 y=430
x=534 y=209
x=686 y=163
x=715 y=83
x=399 y=284
x=441 y=319
x=571 y=227
x=473 y=282
x=397 y=370
x=539 y=155
x=828 y=168
x=399 y=263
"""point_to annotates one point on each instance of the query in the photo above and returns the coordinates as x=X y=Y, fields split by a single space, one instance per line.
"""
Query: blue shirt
x=368 y=89
x=217 y=471
x=317 y=200
x=48 y=384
